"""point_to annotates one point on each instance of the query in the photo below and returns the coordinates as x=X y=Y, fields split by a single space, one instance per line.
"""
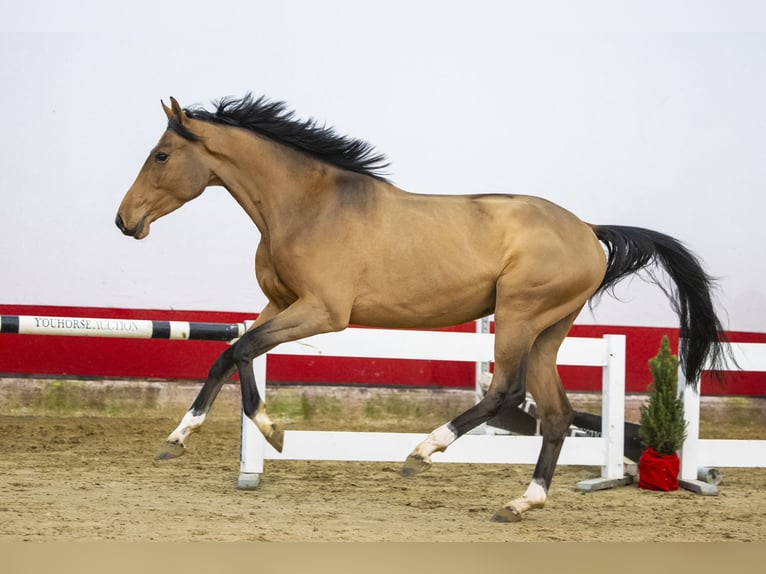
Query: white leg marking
x=189 y=423
x=534 y=497
x=437 y=441
x=536 y=492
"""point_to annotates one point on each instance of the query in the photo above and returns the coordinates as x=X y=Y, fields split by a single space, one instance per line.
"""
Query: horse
x=340 y=244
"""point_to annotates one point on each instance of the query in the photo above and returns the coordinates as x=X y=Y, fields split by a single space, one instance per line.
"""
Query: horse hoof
x=170 y=450
x=276 y=438
x=415 y=464
x=507 y=514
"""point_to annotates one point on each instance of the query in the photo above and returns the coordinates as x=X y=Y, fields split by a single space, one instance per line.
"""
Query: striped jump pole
x=120 y=328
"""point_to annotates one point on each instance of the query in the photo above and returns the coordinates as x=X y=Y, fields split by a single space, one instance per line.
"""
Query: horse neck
x=267 y=179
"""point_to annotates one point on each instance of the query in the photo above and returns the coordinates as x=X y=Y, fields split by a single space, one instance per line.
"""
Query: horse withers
x=340 y=245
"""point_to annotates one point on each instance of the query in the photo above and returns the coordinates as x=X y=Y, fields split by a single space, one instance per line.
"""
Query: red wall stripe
x=29 y=355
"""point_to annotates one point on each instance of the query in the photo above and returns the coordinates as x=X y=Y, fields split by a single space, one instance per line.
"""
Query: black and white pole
x=119 y=328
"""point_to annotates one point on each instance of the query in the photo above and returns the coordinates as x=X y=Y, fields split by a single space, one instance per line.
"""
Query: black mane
x=275 y=121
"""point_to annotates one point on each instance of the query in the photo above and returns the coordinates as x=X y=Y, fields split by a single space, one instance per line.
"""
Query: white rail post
x=689 y=452
x=482 y=326
x=253 y=444
x=613 y=407
x=612 y=418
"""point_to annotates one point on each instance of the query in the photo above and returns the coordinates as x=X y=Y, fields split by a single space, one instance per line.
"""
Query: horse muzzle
x=135 y=232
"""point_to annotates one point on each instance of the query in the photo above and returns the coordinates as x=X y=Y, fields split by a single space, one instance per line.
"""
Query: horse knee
x=241 y=353
x=223 y=367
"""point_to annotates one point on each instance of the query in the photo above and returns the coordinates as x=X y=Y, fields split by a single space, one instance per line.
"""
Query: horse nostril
x=120 y=224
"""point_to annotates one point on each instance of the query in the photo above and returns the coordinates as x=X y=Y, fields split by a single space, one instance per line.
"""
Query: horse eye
x=161 y=156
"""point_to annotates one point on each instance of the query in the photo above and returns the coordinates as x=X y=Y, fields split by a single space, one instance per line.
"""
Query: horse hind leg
x=554 y=427
x=555 y=414
x=508 y=386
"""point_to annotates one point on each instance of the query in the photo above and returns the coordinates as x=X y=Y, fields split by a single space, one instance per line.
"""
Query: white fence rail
x=605 y=451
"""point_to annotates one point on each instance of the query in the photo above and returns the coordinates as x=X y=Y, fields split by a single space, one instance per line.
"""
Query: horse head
x=175 y=172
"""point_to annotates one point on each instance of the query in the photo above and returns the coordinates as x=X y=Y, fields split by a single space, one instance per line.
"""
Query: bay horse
x=340 y=244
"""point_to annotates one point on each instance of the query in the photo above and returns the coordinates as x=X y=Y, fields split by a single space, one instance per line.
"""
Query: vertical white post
x=689 y=451
x=482 y=326
x=252 y=446
x=613 y=407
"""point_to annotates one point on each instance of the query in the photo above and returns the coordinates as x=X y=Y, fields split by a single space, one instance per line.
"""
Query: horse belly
x=424 y=304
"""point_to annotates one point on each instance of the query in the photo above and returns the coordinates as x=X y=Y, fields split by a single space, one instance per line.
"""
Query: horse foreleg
x=304 y=318
x=222 y=369
x=255 y=409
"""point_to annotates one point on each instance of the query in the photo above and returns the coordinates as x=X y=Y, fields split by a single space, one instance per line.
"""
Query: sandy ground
x=93 y=478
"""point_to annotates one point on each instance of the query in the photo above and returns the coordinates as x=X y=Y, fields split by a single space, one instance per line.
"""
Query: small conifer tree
x=663 y=427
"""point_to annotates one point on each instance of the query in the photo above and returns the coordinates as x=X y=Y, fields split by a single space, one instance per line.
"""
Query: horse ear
x=175 y=112
x=167 y=110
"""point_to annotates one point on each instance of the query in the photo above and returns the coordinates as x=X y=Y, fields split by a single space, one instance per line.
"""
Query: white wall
x=648 y=114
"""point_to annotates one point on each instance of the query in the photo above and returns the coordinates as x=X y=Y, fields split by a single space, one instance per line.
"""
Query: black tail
x=631 y=249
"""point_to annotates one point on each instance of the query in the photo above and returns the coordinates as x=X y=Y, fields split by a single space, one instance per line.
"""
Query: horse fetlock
x=272 y=432
x=512 y=511
x=276 y=437
x=190 y=423
x=534 y=497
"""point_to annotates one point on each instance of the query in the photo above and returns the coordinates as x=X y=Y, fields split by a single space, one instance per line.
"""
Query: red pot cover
x=658 y=471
